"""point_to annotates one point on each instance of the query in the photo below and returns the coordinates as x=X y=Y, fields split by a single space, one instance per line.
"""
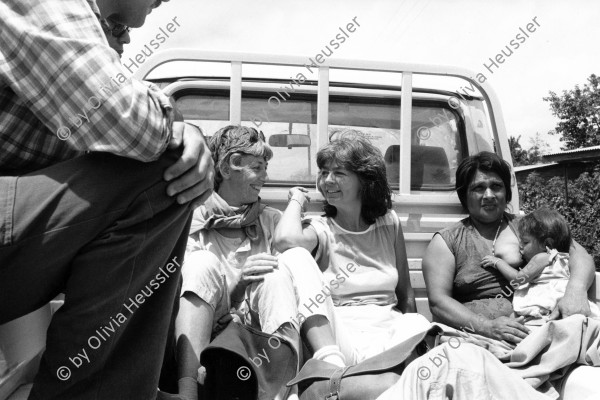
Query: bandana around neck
x=215 y=213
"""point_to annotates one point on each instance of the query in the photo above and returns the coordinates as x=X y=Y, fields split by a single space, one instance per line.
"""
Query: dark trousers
x=101 y=230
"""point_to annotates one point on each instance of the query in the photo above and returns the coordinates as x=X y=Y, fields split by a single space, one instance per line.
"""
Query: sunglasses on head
x=255 y=136
x=115 y=29
x=260 y=136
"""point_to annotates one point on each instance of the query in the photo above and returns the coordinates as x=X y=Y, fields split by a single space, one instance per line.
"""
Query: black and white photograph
x=317 y=200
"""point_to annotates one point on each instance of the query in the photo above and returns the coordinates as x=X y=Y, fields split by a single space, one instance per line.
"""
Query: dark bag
x=320 y=380
x=243 y=363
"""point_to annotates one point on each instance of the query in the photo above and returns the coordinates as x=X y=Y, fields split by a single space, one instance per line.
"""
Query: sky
x=562 y=52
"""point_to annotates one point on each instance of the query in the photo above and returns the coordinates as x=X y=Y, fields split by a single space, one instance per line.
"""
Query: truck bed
x=17 y=385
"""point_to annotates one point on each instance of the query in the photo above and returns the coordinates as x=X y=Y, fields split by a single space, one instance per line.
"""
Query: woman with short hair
x=230 y=261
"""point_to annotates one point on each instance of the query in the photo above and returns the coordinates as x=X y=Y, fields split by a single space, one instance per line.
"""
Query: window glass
x=209 y=112
x=290 y=128
x=436 y=148
x=436 y=145
x=477 y=123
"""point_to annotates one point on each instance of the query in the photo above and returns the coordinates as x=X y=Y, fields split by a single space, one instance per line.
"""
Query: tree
x=582 y=211
x=538 y=148
x=578 y=110
x=533 y=155
x=519 y=155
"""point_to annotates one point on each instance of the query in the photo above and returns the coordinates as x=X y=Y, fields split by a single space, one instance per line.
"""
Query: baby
x=542 y=231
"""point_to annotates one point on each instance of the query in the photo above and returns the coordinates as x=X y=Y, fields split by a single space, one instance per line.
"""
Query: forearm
x=135 y=121
x=582 y=269
x=405 y=292
x=529 y=272
x=407 y=304
x=83 y=95
x=508 y=272
x=522 y=277
x=449 y=311
x=289 y=232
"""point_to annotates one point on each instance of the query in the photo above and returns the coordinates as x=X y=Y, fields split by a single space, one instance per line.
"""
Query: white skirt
x=364 y=331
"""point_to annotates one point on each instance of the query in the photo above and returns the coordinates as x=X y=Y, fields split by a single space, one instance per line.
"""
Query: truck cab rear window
x=436 y=136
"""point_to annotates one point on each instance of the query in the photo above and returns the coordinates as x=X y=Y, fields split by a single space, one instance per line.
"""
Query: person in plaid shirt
x=117 y=35
x=98 y=179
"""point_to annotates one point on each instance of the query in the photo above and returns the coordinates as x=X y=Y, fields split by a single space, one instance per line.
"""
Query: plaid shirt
x=63 y=90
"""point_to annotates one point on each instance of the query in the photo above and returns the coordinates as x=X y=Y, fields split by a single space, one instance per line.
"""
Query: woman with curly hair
x=352 y=295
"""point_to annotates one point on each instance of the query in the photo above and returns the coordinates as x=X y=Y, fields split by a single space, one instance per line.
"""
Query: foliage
x=582 y=211
x=538 y=147
x=579 y=113
x=531 y=156
x=519 y=155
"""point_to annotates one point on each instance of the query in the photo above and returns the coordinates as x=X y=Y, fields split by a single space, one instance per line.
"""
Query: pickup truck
x=419 y=116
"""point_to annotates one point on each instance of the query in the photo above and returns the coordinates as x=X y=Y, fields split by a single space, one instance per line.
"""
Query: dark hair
x=350 y=150
x=238 y=139
x=548 y=227
x=485 y=162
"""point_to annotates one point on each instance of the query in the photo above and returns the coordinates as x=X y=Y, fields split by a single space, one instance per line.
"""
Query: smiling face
x=530 y=246
x=486 y=197
x=245 y=177
x=340 y=187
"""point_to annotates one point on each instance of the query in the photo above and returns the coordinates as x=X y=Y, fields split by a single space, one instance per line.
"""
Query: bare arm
x=404 y=290
x=439 y=267
x=526 y=274
x=534 y=268
x=289 y=232
x=438 y=270
x=508 y=272
x=575 y=300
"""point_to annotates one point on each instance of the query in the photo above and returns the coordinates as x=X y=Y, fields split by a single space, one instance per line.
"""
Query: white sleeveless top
x=358 y=267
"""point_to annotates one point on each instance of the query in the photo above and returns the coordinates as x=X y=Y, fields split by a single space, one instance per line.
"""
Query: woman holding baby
x=466 y=291
x=359 y=238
